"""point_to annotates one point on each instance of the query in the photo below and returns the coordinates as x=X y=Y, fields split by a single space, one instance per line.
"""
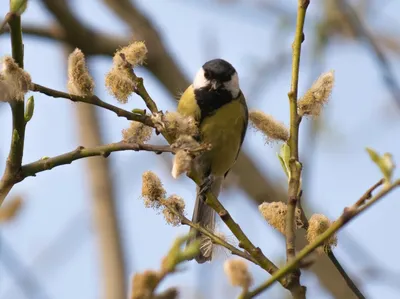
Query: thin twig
x=94 y=100
x=344 y=274
x=332 y=257
x=46 y=163
x=244 y=241
x=294 y=164
x=348 y=215
x=214 y=238
x=5 y=21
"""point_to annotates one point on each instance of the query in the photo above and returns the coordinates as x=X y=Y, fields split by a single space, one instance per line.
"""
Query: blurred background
x=83 y=228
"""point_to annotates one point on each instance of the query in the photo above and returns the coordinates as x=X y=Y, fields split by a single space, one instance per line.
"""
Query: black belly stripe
x=210 y=101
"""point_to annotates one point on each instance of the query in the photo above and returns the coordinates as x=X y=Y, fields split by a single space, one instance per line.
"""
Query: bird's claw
x=205 y=186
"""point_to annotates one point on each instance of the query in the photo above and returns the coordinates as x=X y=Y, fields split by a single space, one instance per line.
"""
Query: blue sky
x=361 y=113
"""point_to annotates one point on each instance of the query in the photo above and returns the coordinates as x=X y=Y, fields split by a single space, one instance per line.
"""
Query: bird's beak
x=215 y=84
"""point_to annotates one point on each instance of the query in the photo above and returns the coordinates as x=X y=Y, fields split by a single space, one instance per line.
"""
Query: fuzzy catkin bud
x=135 y=53
x=152 y=190
x=317 y=96
x=178 y=125
x=186 y=142
x=120 y=83
x=14 y=81
x=275 y=214
x=5 y=90
x=317 y=225
x=271 y=128
x=120 y=80
x=238 y=273
x=80 y=82
x=176 y=202
x=143 y=284
x=182 y=163
x=137 y=133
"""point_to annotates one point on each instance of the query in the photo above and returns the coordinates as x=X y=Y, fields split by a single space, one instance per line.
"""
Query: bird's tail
x=205 y=216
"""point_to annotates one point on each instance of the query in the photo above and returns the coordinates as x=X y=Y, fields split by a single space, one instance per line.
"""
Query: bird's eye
x=207 y=74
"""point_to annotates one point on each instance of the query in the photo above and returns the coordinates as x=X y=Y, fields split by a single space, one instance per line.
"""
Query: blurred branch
x=365 y=201
x=57 y=253
x=25 y=279
x=159 y=60
x=104 y=212
x=389 y=77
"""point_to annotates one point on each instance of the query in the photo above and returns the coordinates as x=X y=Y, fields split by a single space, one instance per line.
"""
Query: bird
x=216 y=102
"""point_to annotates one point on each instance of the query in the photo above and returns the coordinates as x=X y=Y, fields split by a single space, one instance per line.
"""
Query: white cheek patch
x=200 y=80
x=233 y=85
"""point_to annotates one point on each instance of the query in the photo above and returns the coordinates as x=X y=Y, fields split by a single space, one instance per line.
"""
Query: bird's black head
x=219 y=70
x=218 y=74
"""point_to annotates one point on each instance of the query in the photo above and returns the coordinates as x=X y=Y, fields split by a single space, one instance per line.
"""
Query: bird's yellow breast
x=223 y=130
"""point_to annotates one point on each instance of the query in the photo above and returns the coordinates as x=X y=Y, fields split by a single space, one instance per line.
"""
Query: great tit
x=215 y=101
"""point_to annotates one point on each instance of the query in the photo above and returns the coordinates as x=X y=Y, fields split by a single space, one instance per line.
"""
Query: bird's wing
x=245 y=120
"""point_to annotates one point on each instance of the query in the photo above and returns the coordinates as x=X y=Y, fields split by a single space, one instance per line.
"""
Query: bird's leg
x=206 y=186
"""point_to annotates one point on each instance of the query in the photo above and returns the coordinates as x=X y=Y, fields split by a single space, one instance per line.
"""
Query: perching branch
x=14 y=159
x=348 y=214
x=293 y=142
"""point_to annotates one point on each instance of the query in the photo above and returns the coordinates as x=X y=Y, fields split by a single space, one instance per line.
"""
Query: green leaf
x=384 y=162
x=373 y=155
x=284 y=156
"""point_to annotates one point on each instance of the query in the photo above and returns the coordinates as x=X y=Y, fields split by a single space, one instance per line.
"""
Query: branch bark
x=293 y=142
x=16 y=152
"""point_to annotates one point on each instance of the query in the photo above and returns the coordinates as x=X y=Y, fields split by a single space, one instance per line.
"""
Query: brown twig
x=16 y=152
x=93 y=100
x=214 y=238
x=5 y=21
x=347 y=215
x=81 y=152
x=293 y=142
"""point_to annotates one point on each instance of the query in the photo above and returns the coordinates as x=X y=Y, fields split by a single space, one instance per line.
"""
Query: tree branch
x=389 y=77
x=81 y=152
x=344 y=274
x=293 y=142
x=214 y=238
x=94 y=100
x=347 y=215
x=14 y=159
